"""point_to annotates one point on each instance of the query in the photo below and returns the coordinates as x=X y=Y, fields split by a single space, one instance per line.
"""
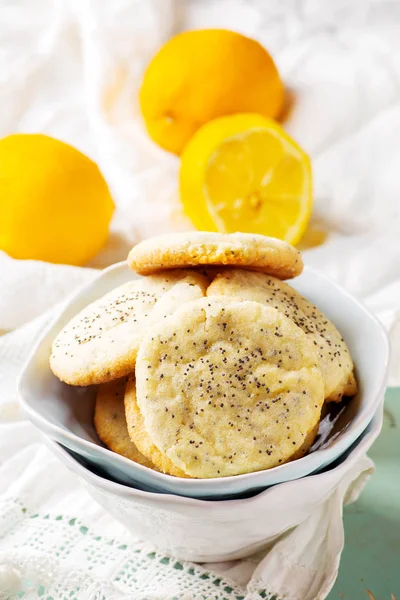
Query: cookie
x=333 y=354
x=251 y=251
x=101 y=342
x=306 y=445
x=139 y=436
x=228 y=387
x=110 y=423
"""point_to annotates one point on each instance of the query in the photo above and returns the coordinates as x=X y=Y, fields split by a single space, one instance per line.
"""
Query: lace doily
x=48 y=552
x=57 y=557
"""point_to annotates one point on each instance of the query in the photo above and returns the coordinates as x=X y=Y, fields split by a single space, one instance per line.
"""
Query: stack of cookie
x=208 y=365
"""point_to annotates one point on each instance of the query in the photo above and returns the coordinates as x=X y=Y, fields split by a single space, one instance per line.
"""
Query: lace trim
x=39 y=554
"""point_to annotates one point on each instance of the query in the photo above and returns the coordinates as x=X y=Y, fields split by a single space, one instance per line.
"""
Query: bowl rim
x=316 y=458
x=361 y=446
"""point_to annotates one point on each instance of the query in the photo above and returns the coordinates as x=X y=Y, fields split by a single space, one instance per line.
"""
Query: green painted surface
x=371 y=557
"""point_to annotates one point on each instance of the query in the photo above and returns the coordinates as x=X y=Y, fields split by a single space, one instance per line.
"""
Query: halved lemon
x=245 y=173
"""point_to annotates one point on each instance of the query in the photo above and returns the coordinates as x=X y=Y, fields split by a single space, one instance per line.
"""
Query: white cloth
x=55 y=539
x=70 y=68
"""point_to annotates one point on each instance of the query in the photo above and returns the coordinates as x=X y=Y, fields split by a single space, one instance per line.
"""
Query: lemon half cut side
x=245 y=173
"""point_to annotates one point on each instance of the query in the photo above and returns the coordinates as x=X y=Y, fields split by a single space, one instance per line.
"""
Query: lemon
x=55 y=205
x=203 y=74
x=245 y=173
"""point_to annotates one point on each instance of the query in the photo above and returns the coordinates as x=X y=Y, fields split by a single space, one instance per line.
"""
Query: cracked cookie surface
x=333 y=354
x=101 y=342
x=228 y=387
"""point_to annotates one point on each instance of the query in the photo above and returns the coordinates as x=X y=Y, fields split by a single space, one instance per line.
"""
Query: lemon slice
x=245 y=173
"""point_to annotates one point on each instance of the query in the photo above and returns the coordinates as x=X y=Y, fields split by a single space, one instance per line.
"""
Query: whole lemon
x=54 y=203
x=200 y=75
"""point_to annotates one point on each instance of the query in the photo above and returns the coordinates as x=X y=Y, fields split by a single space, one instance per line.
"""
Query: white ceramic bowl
x=213 y=531
x=65 y=413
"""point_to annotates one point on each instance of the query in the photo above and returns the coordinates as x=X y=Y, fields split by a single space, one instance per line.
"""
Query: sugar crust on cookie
x=333 y=354
x=228 y=387
x=101 y=342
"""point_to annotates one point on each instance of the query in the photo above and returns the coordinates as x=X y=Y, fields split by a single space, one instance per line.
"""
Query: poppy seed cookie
x=228 y=387
x=333 y=354
x=101 y=342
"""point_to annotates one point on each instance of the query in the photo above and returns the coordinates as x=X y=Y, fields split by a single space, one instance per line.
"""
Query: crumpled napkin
x=44 y=511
